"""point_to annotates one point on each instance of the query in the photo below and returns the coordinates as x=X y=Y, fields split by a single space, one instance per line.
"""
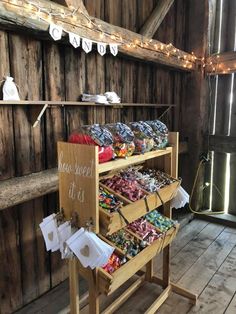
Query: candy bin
x=94 y=135
x=128 y=243
x=161 y=133
x=158 y=220
x=123 y=137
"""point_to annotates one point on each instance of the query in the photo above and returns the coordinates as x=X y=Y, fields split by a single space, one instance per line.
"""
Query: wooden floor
x=203 y=260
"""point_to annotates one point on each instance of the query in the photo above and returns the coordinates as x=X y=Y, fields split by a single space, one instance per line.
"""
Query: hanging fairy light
x=71 y=15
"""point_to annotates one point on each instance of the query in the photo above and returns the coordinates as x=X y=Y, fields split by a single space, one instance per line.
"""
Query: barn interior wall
x=51 y=71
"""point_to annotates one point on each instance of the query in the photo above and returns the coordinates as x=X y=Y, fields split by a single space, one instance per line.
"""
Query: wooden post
x=93 y=292
x=74 y=287
x=166 y=252
x=194 y=107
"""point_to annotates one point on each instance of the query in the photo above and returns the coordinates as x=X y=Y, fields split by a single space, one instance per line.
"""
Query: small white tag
x=87 y=45
x=55 y=31
x=90 y=249
x=50 y=233
x=113 y=49
x=101 y=47
x=74 y=40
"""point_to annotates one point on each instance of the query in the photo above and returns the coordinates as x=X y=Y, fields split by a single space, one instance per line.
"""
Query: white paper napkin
x=49 y=229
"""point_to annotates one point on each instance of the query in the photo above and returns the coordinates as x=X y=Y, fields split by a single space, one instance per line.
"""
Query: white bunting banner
x=74 y=40
x=101 y=47
x=55 y=31
x=113 y=49
x=87 y=45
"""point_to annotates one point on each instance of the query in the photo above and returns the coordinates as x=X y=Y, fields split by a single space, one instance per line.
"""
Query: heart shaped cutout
x=50 y=236
x=85 y=251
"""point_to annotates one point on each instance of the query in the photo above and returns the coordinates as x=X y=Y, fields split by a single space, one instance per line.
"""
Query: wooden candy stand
x=79 y=173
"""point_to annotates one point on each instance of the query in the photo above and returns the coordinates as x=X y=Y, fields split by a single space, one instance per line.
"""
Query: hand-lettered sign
x=78 y=182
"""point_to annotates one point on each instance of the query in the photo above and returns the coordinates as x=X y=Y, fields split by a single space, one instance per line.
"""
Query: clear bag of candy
x=161 y=133
x=123 y=144
x=95 y=135
x=144 y=135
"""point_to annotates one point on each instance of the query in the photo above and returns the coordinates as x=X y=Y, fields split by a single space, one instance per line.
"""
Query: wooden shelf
x=110 y=223
x=78 y=165
x=51 y=103
x=122 y=163
x=109 y=283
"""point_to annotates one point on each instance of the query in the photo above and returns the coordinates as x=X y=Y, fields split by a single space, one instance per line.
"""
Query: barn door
x=222 y=122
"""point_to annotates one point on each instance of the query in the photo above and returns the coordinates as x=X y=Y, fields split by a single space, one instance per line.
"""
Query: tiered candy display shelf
x=79 y=174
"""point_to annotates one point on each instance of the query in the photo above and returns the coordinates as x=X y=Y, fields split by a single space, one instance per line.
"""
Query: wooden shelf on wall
x=38 y=107
x=51 y=103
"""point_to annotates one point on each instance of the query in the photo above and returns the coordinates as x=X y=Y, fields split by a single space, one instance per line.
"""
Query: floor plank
x=203 y=260
x=193 y=250
x=185 y=235
x=198 y=276
x=220 y=290
x=232 y=306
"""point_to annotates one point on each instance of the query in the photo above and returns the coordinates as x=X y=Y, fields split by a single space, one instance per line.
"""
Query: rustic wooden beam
x=77 y=4
x=25 y=17
x=157 y=16
x=220 y=64
x=222 y=143
x=21 y=189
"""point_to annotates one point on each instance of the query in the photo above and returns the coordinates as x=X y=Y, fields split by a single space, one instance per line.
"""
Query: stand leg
x=166 y=266
x=166 y=252
x=93 y=293
x=149 y=271
x=74 y=287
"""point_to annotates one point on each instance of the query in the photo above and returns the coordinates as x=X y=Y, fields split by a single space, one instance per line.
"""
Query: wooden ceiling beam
x=157 y=16
x=77 y=4
x=222 y=63
x=25 y=17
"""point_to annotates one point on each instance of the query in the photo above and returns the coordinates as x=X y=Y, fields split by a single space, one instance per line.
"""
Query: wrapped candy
x=143 y=137
x=127 y=242
x=158 y=220
x=161 y=133
x=149 y=179
x=156 y=178
x=94 y=135
x=123 y=149
x=108 y=201
x=144 y=230
x=113 y=264
x=90 y=134
x=123 y=139
x=121 y=132
x=127 y=188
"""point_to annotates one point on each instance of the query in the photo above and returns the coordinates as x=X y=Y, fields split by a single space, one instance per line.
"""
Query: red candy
x=104 y=153
x=144 y=229
x=127 y=188
x=113 y=264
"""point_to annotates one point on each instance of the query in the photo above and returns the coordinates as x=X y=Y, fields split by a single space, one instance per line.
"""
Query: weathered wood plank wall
x=46 y=70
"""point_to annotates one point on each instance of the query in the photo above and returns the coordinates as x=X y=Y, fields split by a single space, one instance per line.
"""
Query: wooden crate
x=110 y=223
x=108 y=283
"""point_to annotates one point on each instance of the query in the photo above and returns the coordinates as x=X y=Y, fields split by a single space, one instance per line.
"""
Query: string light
x=72 y=17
